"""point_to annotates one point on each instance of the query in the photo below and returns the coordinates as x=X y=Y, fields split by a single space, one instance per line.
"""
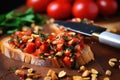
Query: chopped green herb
x=41 y=55
x=65 y=38
x=70 y=48
x=12 y=68
x=51 y=47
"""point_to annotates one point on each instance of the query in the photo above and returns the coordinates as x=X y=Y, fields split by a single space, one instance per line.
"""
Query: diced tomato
x=67 y=52
x=51 y=37
x=82 y=44
x=79 y=35
x=19 y=34
x=25 y=38
x=78 y=48
x=37 y=42
x=61 y=41
x=28 y=32
x=11 y=43
x=59 y=47
x=37 y=52
x=75 y=40
x=77 y=55
x=67 y=61
x=44 y=47
x=30 y=47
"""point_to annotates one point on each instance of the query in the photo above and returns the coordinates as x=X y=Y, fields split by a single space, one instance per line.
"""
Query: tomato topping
x=66 y=45
x=37 y=42
x=44 y=47
x=67 y=61
x=77 y=55
x=37 y=52
x=67 y=52
x=28 y=32
x=18 y=33
x=81 y=44
x=30 y=47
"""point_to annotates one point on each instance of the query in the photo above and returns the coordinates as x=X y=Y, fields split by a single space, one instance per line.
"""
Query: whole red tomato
x=59 y=10
x=85 y=9
x=107 y=7
x=38 y=5
x=70 y=1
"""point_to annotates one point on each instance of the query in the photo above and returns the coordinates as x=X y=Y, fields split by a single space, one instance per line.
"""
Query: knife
x=98 y=32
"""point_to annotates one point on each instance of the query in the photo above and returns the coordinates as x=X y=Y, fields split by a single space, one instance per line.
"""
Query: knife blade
x=103 y=36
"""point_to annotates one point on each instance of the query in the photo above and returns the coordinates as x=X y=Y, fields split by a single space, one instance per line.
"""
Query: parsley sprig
x=12 y=21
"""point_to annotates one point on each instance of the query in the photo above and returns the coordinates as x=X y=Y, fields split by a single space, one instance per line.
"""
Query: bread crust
x=17 y=54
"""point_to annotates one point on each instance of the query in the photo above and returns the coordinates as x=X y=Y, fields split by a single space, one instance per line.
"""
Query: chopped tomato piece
x=75 y=40
x=25 y=38
x=77 y=48
x=30 y=47
x=67 y=52
x=77 y=55
x=67 y=61
x=37 y=52
x=44 y=47
x=37 y=42
x=61 y=41
x=19 y=34
x=59 y=47
x=28 y=32
x=51 y=37
x=82 y=44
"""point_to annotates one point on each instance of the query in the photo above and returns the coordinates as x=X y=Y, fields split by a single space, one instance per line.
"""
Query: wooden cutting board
x=102 y=54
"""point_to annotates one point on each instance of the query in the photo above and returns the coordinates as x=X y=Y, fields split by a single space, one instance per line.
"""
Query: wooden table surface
x=102 y=54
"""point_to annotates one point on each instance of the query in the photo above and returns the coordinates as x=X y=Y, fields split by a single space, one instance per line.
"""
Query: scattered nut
x=94 y=77
x=86 y=78
x=24 y=67
x=30 y=70
x=47 y=78
x=112 y=64
x=119 y=66
x=85 y=73
x=30 y=75
x=61 y=74
x=106 y=78
x=54 y=76
x=50 y=72
x=69 y=78
x=108 y=72
x=118 y=60
x=28 y=79
x=94 y=71
x=77 y=78
x=36 y=76
x=113 y=59
x=19 y=72
x=82 y=68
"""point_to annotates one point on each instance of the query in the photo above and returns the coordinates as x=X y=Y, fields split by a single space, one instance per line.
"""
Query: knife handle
x=109 y=39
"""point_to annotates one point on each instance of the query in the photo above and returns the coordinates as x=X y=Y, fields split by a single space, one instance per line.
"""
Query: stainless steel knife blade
x=92 y=30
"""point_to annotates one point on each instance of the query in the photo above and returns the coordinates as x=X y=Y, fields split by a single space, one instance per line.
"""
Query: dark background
x=8 y=5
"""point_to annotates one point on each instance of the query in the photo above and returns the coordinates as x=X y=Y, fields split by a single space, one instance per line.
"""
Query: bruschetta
x=61 y=48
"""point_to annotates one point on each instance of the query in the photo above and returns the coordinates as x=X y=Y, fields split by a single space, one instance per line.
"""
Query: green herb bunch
x=12 y=21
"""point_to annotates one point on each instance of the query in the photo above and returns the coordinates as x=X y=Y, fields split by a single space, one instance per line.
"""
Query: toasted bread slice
x=86 y=54
x=17 y=54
